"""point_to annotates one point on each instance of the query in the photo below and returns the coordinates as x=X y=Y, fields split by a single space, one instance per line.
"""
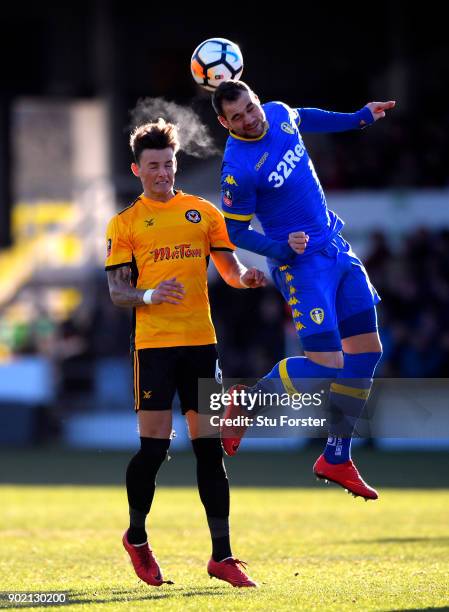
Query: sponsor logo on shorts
x=193 y=216
x=317 y=315
x=147 y=394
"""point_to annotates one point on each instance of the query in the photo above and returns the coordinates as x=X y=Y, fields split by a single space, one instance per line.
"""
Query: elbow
x=115 y=296
x=229 y=277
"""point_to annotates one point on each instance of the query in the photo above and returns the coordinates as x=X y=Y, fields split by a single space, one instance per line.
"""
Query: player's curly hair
x=158 y=135
x=228 y=91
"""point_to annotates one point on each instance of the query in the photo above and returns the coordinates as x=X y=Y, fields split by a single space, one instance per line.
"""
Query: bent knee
x=331 y=359
x=363 y=343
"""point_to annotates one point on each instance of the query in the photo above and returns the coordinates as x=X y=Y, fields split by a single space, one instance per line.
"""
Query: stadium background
x=71 y=73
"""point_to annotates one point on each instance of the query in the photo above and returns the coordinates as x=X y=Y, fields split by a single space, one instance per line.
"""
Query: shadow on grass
x=145 y=593
x=444 y=541
x=442 y=609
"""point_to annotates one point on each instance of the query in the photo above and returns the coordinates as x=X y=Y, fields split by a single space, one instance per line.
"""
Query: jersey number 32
x=286 y=165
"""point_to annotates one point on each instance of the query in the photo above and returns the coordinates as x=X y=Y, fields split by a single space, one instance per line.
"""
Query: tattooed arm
x=124 y=294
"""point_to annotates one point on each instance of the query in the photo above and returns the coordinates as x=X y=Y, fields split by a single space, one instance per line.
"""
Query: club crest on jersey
x=230 y=180
x=149 y=222
x=317 y=315
x=286 y=127
x=227 y=197
x=108 y=247
x=193 y=216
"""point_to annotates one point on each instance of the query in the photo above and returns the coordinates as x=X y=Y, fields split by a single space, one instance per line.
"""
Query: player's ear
x=135 y=169
x=223 y=121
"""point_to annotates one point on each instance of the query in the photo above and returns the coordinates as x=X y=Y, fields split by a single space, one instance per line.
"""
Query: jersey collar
x=251 y=139
x=157 y=204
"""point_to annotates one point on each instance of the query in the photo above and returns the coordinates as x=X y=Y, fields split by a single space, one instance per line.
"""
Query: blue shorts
x=325 y=290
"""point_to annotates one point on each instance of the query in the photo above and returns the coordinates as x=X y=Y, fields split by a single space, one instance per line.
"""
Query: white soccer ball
x=216 y=60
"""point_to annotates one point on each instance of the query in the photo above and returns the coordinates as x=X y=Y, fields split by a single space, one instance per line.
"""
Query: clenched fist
x=298 y=241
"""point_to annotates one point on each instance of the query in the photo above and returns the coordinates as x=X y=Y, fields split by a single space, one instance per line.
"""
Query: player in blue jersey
x=267 y=173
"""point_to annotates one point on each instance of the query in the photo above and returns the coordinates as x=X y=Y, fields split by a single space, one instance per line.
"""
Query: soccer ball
x=216 y=60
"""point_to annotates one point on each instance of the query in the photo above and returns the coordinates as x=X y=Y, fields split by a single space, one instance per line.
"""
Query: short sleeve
x=218 y=233
x=238 y=194
x=118 y=247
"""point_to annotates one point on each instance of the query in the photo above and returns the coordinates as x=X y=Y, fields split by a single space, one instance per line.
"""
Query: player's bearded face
x=245 y=116
x=156 y=170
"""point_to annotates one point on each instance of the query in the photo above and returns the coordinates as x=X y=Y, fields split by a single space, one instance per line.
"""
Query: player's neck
x=160 y=197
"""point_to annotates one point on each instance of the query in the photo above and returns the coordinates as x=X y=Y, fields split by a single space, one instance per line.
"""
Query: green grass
x=309 y=549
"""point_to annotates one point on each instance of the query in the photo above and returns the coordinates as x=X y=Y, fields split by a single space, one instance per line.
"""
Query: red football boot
x=145 y=565
x=231 y=435
x=346 y=475
x=229 y=571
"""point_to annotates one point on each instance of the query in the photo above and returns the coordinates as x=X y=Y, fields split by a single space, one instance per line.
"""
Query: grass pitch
x=309 y=549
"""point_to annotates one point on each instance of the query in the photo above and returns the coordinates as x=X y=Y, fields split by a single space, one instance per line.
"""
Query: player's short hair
x=228 y=91
x=158 y=135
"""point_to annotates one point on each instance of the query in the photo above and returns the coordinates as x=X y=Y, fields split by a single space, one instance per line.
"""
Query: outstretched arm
x=378 y=108
x=235 y=274
x=318 y=120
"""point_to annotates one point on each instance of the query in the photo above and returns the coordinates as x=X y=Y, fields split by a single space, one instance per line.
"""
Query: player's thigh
x=154 y=379
x=155 y=423
x=310 y=291
x=197 y=362
x=362 y=343
x=356 y=305
x=193 y=420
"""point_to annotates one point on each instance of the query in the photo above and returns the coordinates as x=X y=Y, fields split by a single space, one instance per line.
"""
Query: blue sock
x=348 y=398
x=290 y=376
x=337 y=450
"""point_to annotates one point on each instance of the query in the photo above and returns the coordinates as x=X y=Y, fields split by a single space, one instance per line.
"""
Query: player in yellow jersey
x=158 y=250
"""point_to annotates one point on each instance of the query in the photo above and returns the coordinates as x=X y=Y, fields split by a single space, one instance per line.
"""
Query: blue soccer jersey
x=273 y=178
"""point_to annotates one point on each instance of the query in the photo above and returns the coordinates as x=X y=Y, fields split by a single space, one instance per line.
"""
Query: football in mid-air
x=216 y=60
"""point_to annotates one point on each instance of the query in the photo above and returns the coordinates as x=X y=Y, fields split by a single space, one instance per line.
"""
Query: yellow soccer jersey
x=162 y=240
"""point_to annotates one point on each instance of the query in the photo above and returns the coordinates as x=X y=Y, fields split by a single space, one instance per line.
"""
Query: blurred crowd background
x=72 y=75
